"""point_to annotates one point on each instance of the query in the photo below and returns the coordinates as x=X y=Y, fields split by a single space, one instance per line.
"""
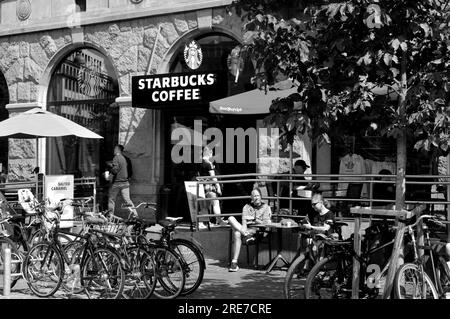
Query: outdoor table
x=279 y=230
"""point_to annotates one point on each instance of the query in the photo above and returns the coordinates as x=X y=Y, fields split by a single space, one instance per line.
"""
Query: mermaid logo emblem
x=193 y=55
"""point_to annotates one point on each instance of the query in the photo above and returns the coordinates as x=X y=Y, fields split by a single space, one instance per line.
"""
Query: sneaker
x=234 y=267
x=222 y=222
x=202 y=226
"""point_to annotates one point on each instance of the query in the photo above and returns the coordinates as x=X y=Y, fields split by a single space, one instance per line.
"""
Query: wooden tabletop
x=273 y=225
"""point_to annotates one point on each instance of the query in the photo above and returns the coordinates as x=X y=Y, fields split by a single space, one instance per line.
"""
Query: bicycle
x=411 y=279
x=136 y=261
x=305 y=260
x=171 y=268
x=100 y=270
x=193 y=260
x=19 y=237
x=331 y=277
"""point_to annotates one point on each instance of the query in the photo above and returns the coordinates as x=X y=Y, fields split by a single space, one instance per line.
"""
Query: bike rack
x=7 y=271
x=398 y=243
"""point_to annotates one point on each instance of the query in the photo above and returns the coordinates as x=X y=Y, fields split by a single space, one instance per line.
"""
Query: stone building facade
x=137 y=37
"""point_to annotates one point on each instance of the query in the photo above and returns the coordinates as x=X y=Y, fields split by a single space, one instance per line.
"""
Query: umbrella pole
x=37 y=165
x=290 y=172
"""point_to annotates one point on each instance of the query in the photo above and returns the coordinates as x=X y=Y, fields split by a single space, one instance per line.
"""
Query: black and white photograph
x=226 y=156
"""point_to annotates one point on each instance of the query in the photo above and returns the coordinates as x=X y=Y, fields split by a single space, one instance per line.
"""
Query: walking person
x=120 y=180
x=257 y=212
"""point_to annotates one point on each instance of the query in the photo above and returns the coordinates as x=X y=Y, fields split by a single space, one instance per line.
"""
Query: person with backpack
x=121 y=170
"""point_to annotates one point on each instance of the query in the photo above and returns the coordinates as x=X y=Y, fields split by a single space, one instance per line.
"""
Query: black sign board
x=176 y=89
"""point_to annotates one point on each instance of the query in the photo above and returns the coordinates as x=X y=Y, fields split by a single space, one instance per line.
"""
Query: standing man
x=302 y=206
x=120 y=181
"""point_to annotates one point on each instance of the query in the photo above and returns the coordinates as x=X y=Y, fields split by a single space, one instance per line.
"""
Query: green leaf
x=395 y=44
x=387 y=59
x=419 y=144
x=439 y=102
x=425 y=28
x=404 y=46
x=367 y=59
x=332 y=10
x=394 y=71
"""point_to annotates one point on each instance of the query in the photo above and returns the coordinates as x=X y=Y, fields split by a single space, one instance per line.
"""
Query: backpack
x=129 y=167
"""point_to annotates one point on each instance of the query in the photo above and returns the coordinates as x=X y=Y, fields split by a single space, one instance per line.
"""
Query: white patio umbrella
x=37 y=123
x=40 y=123
x=251 y=102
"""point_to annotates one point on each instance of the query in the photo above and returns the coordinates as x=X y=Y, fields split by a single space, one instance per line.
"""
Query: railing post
x=7 y=272
x=356 y=265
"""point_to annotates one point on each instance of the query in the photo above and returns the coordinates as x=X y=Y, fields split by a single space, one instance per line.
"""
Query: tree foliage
x=354 y=59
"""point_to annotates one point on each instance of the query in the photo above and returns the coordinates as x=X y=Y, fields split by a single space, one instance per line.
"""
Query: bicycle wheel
x=102 y=275
x=43 y=270
x=443 y=273
x=330 y=278
x=193 y=264
x=16 y=260
x=410 y=284
x=170 y=276
x=294 y=280
x=140 y=277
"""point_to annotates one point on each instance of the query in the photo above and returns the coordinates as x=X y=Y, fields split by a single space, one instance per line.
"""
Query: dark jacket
x=119 y=169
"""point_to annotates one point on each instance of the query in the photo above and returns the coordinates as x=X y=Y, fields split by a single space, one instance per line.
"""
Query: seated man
x=321 y=220
x=257 y=212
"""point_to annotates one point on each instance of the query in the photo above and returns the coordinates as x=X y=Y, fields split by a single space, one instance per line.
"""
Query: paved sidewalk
x=218 y=282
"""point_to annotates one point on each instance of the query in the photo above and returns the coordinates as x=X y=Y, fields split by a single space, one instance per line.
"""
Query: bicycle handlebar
x=78 y=202
x=420 y=218
x=147 y=205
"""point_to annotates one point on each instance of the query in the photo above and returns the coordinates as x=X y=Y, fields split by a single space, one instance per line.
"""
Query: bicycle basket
x=114 y=225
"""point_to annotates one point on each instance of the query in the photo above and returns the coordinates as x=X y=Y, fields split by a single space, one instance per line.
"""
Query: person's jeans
x=124 y=189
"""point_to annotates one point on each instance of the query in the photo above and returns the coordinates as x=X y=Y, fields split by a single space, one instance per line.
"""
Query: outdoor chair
x=262 y=238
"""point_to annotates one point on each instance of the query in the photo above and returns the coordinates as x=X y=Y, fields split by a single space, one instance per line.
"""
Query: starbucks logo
x=23 y=9
x=193 y=55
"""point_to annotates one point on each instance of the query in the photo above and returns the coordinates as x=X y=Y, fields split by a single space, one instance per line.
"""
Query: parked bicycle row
x=109 y=257
x=323 y=268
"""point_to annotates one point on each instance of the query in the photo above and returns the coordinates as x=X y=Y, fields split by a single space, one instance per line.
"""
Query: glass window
x=83 y=90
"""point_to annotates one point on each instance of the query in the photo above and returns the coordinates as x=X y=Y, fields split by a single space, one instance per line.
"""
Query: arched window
x=83 y=89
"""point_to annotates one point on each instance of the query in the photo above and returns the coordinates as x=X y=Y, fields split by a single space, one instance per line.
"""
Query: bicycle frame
x=434 y=258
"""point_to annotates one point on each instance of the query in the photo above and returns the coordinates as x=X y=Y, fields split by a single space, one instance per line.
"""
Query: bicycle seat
x=167 y=223
x=334 y=242
x=321 y=236
x=140 y=221
x=174 y=219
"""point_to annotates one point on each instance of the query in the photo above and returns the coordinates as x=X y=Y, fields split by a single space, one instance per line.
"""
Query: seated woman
x=257 y=212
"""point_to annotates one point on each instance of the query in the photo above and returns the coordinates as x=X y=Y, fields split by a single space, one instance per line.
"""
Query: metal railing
x=329 y=186
x=7 y=262
x=10 y=189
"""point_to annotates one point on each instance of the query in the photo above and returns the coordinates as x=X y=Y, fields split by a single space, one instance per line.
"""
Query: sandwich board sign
x=57 y=187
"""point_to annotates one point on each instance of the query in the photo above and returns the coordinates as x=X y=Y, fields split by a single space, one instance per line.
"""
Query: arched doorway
x=4 y=99
x=83 y=88
x=216 y=48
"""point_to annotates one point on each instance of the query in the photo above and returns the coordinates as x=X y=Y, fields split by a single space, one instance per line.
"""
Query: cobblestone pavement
x=218 y=282
x=245 y=283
